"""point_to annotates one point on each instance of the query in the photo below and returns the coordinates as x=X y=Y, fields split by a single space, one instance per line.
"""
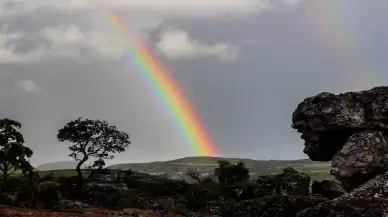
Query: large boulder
x=350 y=129
x=327 y=188
x=326 y=120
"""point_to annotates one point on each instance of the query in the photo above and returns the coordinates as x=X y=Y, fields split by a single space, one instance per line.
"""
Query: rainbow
x=327 y=16
x=166 y=87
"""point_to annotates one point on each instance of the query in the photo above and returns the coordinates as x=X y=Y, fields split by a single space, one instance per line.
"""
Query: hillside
x=317 y=170
x=60 y=165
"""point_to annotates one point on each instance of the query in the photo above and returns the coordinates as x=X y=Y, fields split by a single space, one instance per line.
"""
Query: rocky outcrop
x=104 y=188
x=351 y=130
x=267 y=206
x=327 y=188
x=290 y=182
x=370 y=199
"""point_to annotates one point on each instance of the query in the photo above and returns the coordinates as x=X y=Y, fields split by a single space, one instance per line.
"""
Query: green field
x=317 y=170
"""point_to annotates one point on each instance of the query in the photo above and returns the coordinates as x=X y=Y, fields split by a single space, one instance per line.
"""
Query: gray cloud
x=246 y=104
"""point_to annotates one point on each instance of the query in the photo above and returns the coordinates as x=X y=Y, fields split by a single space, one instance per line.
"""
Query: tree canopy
x=229 y=174
x=92 y=139
x=14 y=155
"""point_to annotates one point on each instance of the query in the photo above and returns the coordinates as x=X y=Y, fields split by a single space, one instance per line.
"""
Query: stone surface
x=370 y=199
x=289 y=182
x=350 y=129
x=327 y=188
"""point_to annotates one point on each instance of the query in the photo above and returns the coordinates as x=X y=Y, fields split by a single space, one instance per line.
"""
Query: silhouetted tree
x=92 y=139
x=13 y=154
x=229 y=174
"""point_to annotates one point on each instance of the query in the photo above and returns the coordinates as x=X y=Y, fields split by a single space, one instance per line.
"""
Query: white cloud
x=176 y=44
x=62 y=42
x=68 y=41
x=26 y=85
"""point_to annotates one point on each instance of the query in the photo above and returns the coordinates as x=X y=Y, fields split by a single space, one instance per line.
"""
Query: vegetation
x=14 y=154
x=92 y=139
x=317 y=170
x=227 y=180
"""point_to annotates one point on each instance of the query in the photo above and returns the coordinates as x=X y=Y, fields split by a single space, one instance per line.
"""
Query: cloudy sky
x=244 y=65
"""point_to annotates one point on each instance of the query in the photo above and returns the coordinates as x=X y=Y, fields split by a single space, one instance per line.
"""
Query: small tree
x=92 y=139
x=13 y=154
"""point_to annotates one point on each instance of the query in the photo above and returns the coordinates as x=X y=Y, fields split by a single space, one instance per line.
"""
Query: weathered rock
x=69 y=204
x=181 y=177
x=327 y=188
x=363 y=156
x=326 y=121
x=370 y=199
x=282 y=205
x=289 y=182
x=107 y=187
x=268 y=206
x=104 y=175
x=265 y=185
x=293 y=183
x=350 y=129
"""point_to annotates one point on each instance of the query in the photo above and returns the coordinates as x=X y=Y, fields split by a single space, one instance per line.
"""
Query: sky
x=244 y=65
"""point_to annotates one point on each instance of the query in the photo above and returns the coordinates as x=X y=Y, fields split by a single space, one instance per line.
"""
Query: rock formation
x=351 y=130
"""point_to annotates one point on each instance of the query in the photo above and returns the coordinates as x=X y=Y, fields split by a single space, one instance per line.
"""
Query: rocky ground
x=19 y=212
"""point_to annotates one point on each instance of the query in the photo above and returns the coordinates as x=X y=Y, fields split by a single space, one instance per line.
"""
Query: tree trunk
x=80 y=178
x=5 y=179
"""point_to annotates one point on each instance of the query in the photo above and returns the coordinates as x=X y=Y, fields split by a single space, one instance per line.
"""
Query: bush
x=48 y=194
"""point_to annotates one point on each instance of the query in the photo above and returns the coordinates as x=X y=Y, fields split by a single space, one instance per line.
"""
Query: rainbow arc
x=167 y=88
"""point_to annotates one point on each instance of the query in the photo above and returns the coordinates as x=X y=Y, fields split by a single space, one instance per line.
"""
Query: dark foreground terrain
x=349 y=130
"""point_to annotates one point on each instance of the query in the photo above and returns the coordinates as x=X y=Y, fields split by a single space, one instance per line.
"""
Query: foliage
x=92 y=139
x=13 y=154
x=230 y=174
x=48 y=194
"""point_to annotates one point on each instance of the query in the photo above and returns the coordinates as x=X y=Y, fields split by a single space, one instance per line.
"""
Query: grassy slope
x=317 y=170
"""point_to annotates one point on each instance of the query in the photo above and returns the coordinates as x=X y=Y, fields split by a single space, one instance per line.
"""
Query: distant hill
x=59 y=165
x=317 y=170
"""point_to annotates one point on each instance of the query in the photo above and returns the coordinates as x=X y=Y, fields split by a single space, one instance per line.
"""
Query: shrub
x=48 y=194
